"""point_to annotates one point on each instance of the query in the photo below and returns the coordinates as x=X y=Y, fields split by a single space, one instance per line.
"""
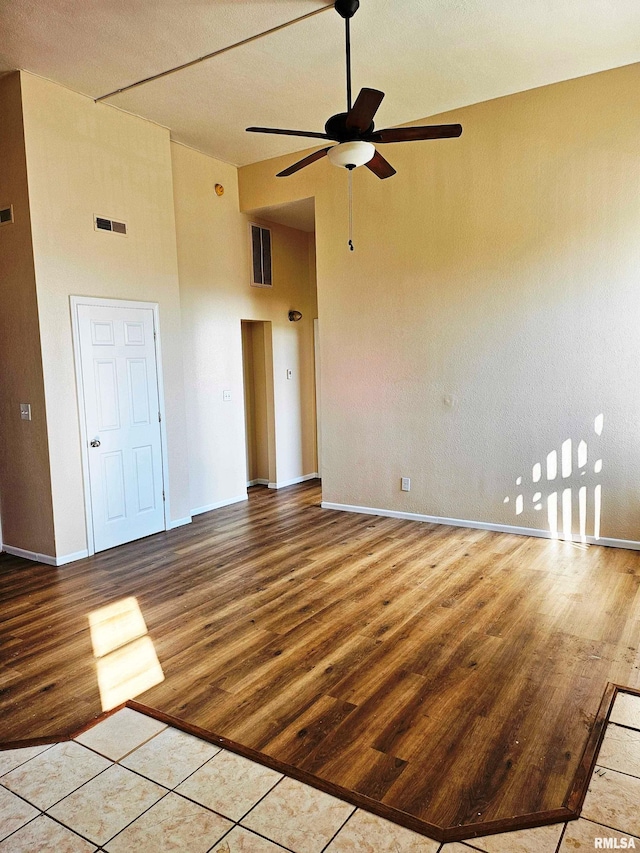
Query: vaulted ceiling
x=427 y=55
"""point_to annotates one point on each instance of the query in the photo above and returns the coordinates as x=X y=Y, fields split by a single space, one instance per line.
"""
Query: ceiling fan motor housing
x=336 y=128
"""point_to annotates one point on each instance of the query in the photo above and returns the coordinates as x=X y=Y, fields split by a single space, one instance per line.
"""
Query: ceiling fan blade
x=362 y=112
x=379 y=166
x=288 y=132
x=411 y=134
x=311 y=158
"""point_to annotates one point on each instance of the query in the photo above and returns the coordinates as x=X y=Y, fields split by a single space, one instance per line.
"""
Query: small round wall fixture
x=294 y=316
x=219 y=189
x=350 y=155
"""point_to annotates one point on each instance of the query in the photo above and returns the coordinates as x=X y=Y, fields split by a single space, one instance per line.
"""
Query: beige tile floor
x=131 y=784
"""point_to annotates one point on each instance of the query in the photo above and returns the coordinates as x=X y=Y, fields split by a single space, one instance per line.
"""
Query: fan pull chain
x=351 y=209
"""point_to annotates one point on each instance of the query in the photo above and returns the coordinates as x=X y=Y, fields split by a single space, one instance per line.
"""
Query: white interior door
x=119 y=378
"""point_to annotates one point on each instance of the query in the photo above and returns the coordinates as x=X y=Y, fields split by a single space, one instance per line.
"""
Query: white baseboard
x=178 y=522
x=283 y=483
x=629 y=544
x=71 y=558
x=29 y=555
x=257 y=482
x=227 y=502
x=45 y=558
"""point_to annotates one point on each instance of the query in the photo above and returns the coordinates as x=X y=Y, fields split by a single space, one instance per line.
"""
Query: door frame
x=97 y=301
x=318 y=401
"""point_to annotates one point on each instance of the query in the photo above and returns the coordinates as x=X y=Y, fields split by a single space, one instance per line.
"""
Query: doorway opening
x=259 y=410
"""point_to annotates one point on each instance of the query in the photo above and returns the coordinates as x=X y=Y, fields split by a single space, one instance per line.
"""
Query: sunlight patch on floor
x=126 y=659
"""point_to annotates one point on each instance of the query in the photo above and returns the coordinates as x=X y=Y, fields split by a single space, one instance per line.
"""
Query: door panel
x=138 y=393
x=134 y=334
x=119 y=377
x=114 y=486
x=107 y=393
x=102 y=333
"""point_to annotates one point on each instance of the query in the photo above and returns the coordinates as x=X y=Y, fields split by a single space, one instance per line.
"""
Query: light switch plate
x=25 y=411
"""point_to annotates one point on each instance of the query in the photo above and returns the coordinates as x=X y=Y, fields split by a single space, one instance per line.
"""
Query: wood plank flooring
x=451 y=674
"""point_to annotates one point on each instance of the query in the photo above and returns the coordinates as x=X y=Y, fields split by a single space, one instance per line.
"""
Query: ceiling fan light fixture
x=350 y=155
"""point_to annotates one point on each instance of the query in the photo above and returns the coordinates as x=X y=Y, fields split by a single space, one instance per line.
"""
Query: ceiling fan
x=354 y=131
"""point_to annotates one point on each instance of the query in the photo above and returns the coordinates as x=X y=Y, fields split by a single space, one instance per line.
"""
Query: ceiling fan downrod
x=347 y=9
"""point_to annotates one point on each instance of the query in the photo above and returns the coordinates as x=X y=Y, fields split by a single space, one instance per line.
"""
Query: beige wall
x=213 y=259
x=27 y=513
x=488 y=314
x=490 y=311
x=84 y=159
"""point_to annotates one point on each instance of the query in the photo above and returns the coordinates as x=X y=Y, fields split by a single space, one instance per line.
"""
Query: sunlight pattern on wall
x=126 y=660
x=565 y=499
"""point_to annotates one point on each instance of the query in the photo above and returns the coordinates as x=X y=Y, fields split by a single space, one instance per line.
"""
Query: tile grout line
x=115 y=835
x=260 y=835
x=561 y=839
x=51 y=818
x=17 y=829
x=252 y=832
x=623 y=726
x=21 y=797
x=614 y=828
x=615 y=770
x=127 y=754
x=604 y=826
x=466 y=843
x=340 y=828
x=45 y=811
x=272 y=788
x=202 y=805
x=74 y=831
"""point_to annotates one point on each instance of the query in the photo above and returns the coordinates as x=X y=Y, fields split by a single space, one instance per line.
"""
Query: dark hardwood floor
x=451 y=674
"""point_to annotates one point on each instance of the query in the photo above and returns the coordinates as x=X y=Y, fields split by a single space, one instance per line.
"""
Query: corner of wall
x=25 y=484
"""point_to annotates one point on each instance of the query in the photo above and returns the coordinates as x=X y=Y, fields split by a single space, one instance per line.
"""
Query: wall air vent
x=6 y=215
x=101 y=223
x=260 y=256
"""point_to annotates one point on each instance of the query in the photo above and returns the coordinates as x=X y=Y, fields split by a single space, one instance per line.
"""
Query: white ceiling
x=427 y=55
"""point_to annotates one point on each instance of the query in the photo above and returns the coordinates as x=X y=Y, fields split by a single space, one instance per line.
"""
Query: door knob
x=95 y=442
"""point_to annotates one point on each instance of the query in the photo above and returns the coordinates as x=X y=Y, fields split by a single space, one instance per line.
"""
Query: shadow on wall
x=557 y=483
x=126 y=660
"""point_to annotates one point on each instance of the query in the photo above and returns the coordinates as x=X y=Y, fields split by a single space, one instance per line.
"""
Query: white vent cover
x=101 y=223
x=260 y=256
x=6 y=215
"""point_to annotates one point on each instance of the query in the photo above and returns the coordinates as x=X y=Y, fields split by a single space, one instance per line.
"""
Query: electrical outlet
x=405 y=484
x=226 y=396
x=25 y=411
x=289 y=374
